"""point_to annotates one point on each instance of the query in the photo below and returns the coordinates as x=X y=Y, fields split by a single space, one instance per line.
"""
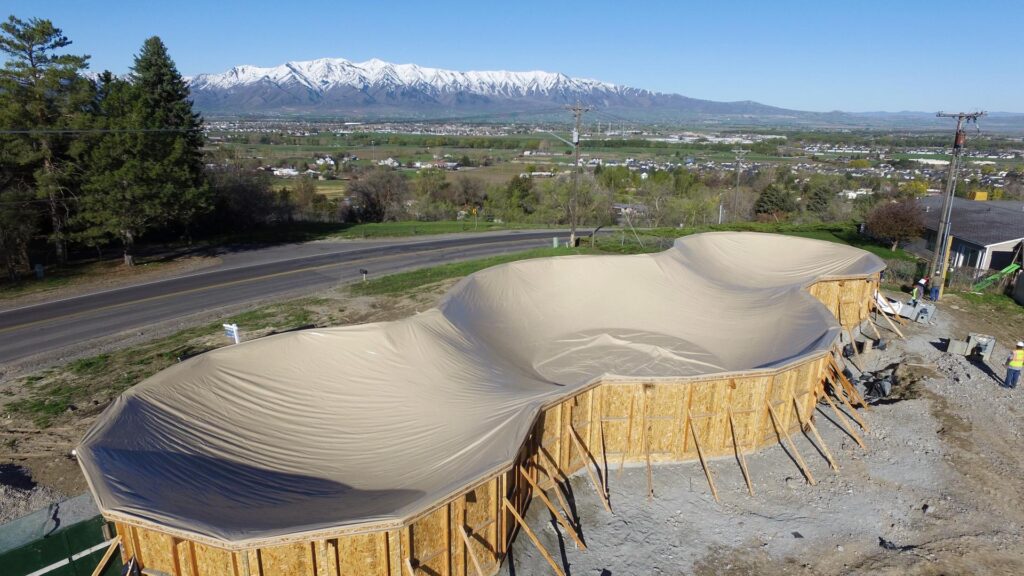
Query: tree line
x=92 y=160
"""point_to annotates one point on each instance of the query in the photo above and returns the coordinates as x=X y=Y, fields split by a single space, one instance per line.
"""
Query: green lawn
x=839 y=233
x=403 y=282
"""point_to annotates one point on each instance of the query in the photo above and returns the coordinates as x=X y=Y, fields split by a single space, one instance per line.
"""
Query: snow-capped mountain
x=335 y=86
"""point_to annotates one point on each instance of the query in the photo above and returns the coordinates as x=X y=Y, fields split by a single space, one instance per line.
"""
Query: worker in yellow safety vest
x=917 y=292
x=1014 y=364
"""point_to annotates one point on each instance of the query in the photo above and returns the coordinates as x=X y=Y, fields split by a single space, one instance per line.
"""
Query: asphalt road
x=52 y=326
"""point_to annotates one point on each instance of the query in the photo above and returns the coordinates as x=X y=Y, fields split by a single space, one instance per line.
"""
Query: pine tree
x=42 y=92
x=174 y=154
x=119 y=199
x=146 y=172
x=819 y=200
x=773 y=201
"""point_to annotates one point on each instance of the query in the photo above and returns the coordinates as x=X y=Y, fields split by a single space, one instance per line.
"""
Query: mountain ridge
x=376 y=87
x=380 y=90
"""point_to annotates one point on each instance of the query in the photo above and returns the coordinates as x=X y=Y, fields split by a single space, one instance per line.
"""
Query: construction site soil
x=940 y=489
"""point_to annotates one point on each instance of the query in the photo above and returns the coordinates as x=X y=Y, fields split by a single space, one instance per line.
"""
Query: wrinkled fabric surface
x=336 y=427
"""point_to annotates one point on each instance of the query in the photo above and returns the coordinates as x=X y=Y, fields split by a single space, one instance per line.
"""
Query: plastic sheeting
x=362 y=425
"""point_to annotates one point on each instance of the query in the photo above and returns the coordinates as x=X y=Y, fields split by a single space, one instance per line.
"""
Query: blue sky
x=863 y=55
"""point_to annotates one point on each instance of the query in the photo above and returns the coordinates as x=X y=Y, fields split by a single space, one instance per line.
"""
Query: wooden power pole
x=577 y=111
x=940 y=258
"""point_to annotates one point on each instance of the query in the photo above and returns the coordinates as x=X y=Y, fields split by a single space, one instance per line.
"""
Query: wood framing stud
x=647 y=446
x=700 y=455
x=409 y=568
x=551 y=507
x=739 y=452
x=629 y=435
x=783 y=433
x=533 y=537
x=107 y=555
x=469 y=551
x=588 y=459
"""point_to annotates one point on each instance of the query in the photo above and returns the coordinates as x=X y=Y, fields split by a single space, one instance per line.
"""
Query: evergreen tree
x=41 y=93
x=172 y=147
x=119 y=200
x=773 y=201
x=819 y=200
x=146 y=172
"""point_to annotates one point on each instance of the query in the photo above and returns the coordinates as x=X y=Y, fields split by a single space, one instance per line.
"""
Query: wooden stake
x=782 y=432
x=889 y=320
x=875 y=328
x=807 y=423
x=469 y=550
x=533 y=537
x=853 y=411
x=588 y=459
x=847 y=385
x=739 y=452
x=558 y=493
x=842 y=420
x=551 y=459
x=543 y=497
x=107 y=555
x=647 y=448
x=700 y=455
x=629 y=436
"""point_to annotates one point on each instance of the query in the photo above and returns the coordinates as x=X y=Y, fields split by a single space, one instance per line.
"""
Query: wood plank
x=739 y=453
x=808 y=424
x=533 y=537
x=796 y=453
x=703 y=463
x=647 y=443
x=551 y=507
x=114 y=544
x=598 y=485
x=629 y=435
x=469 y=551
x=843 y=421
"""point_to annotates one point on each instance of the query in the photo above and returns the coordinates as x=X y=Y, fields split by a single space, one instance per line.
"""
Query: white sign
x=231 y=331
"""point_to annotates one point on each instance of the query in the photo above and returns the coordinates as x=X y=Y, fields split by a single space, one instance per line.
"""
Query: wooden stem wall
x=616 y=422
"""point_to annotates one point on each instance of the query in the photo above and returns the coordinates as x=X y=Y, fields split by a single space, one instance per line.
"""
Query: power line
x=93 y=130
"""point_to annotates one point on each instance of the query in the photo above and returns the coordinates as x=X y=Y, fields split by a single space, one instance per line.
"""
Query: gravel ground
x=940 y=489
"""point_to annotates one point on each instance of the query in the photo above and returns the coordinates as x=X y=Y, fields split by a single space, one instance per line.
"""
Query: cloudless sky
x=864 y=55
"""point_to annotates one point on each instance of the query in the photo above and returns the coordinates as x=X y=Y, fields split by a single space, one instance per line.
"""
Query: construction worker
x=935 y=280
x=917 y=292
x=1014 y=364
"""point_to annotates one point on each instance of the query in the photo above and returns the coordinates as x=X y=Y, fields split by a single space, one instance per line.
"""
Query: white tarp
x=336 y=427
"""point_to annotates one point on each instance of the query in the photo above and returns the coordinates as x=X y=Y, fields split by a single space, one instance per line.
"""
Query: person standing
x=934 y=282
x=917 y=293
x=1014 y=364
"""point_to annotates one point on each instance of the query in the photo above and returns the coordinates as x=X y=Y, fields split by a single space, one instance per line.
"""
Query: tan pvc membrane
x=370 y=425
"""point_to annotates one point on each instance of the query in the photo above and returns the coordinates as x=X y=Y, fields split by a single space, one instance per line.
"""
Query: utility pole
x=940 y=259
x=577 y=111
x=740 y=153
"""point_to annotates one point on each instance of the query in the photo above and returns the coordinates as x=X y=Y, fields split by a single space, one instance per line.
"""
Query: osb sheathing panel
x=848 y=300
x=659 y=426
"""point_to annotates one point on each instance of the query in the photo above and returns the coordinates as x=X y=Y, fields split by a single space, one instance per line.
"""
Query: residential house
x=986 y=234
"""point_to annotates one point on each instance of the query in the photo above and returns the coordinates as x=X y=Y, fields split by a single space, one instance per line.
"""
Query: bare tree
x=895 y=222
